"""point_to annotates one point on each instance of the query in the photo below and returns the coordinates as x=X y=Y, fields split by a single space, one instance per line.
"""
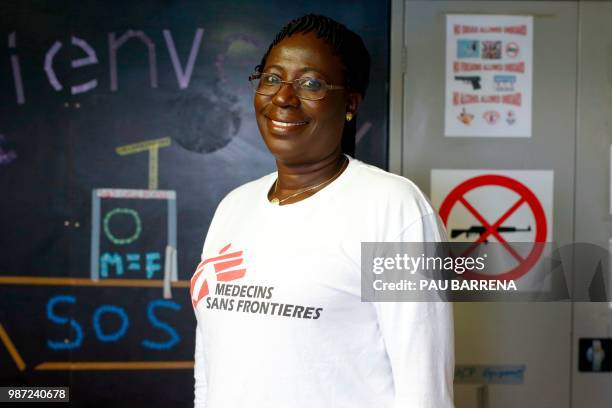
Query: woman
x=277 y=294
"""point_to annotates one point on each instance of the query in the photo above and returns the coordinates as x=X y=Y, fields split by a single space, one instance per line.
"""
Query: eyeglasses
x=311 y=89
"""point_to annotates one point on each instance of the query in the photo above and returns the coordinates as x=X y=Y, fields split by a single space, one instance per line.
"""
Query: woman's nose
x=286 y=96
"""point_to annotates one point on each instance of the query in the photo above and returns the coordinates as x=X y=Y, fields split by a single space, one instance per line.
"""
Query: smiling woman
x=310 y=341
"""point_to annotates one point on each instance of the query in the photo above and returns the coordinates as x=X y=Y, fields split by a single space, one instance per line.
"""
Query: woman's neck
x=295 y=177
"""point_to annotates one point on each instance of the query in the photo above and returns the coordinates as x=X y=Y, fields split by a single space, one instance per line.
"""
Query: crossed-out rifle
x=479 y=229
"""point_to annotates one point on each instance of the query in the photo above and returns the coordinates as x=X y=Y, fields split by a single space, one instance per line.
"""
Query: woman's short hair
x=344 y=43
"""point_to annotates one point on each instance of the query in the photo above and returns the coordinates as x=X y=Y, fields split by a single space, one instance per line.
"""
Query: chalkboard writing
x=121 y=129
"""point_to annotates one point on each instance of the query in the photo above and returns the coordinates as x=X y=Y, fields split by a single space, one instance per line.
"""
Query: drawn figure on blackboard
x=596 y=355
x=6 y=156
x=293 y=331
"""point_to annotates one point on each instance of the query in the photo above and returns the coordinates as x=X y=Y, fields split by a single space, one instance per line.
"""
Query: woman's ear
x=353 y=100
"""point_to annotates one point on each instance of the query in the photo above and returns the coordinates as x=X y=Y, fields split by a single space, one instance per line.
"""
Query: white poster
x=488 y=75
x=498 y=206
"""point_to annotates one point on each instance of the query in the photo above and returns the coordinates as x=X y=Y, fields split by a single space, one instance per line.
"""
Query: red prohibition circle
x=512 y=49
x=527 y=196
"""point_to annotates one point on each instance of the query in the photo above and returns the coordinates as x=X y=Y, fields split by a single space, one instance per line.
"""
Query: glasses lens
x=266 y=84
x=311 y=88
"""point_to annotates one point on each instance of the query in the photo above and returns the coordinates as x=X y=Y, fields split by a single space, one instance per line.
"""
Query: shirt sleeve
x=201 y=386
x=199 y=368
x=419 y=337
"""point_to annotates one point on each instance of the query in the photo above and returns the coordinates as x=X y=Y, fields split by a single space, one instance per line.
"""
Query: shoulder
x=381 y=188
x=394 y=206
x=247 y=193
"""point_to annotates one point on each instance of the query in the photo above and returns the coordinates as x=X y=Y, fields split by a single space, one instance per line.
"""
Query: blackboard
x=122 y=125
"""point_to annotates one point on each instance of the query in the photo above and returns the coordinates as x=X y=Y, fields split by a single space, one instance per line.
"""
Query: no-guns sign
x=497 y=206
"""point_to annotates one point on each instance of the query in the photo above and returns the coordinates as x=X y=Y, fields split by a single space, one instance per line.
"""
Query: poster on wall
x=499 y=206
x=488 y=76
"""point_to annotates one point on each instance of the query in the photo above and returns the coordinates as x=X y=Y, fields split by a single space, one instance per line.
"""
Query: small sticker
x=465 y=118
x=595 y=355
x=510 y=117
x=491 y=49
x=467 y=49
x=512 y=50
x=491 y=117
x=504 y=82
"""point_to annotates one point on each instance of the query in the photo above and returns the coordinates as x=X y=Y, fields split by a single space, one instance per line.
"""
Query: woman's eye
x=311 y=84
x=271 y=80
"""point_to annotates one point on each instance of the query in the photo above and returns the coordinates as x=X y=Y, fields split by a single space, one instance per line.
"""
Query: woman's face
x=312 y=129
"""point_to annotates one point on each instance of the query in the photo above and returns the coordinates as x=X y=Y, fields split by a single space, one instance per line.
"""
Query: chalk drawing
x=141 y=194
x=114 y=44
x=49 y=66
x=230 y=41
x=97 y=267
x=119 y=333
x=90 y=59
x=108 y=259
x=183 y=77
x=63 y=344
x=153 y=168
x=10 y=347
x=133 y=262
x=152 y=265
x=131 y=238
x=151 y=146
x=174 y=337
x=6 y=156
x=88 y=282
x=170 y=270
x=113 y=365
x=12 y=43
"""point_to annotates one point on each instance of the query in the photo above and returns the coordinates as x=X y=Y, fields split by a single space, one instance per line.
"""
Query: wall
x=571 y=112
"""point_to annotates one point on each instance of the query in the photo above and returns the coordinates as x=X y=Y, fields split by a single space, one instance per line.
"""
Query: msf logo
x=219 y=268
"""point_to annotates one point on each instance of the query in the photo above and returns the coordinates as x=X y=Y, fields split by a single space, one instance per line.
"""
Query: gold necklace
x=276 y=201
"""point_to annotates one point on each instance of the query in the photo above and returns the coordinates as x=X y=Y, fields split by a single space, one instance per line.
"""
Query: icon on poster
x=512 y=50
x=491 y=117
x=504 y=82
x=465 y=117
x=491 y=49
x=510 y=117
x=468 y=49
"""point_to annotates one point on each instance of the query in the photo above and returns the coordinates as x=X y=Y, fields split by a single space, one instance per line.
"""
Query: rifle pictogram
x=479 y=229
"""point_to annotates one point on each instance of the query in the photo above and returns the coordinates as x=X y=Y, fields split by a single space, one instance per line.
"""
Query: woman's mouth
x=287 y=124
x=285 y=127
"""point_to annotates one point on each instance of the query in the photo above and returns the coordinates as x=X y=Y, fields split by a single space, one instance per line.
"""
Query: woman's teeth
x=285 y=124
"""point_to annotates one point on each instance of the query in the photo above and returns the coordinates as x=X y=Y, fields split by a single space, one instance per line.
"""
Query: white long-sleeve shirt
x=280 y=321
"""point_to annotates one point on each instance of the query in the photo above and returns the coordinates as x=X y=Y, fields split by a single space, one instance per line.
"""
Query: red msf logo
x=219 y=269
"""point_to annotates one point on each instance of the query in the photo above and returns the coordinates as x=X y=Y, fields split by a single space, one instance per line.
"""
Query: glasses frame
x=294 y=84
